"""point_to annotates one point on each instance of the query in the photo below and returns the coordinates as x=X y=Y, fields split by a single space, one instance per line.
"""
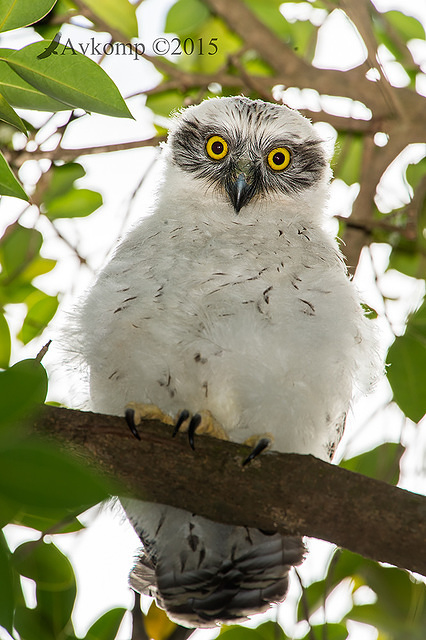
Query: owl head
x=247 y=150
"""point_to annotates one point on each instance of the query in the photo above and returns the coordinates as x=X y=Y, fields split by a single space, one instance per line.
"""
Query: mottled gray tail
x=216 y=574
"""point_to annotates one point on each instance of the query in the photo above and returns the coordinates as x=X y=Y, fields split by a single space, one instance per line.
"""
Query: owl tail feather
x=204 y=587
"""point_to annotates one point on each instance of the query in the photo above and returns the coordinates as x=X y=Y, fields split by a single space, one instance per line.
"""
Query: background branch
x=289 y=493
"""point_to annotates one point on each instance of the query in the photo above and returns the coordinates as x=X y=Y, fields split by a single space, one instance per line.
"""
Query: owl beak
x=239 y=192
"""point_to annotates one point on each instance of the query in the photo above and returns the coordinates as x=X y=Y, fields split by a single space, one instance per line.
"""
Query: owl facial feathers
x=254 y=137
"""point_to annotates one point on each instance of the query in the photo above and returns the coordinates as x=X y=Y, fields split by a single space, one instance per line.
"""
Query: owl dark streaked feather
x=231 y=300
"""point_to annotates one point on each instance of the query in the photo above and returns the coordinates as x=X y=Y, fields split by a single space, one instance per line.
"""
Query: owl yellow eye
x=216 y=147
x=279 y=158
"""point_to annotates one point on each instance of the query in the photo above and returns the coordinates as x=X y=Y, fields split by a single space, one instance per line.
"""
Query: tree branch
x=289 y=493
x=67 y=155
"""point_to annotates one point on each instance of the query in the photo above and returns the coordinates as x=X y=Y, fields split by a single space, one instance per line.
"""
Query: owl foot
x=135 y=412
x=259 y=444
x=202 y=423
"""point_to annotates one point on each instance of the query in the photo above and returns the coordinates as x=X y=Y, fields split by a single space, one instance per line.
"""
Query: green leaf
x=14 y=292
x=254 y=65
x=381 y=463
x=118 y=14
x=271 y=631
x=55 y=584
x=69 y=77
x=7 y=600
x=60 y=14
x=8 y=511
x=349 y=150
x=407 y=370
x=55 y=608
x=106 y=627
x=331 y=631
x=21 y=94
x=165 y=102
x=31 y=625
x=21 y=261
x=269 y=13
x=36 y=267
x=9 y=185
x=186 y=17
x=219 y=42
x=21 y=13
x=408 y=626
x=415 y=172
x=61 y=179
x=22 y=388
x=45 y=564
x=62 y=200
x=18 y=246
x=39 y=475
x=313 y=599
x=345 y=564
x=77 y=203
x=41 y=309
x=369 y=312
x=407 y=26
x=239 y=633
x=409 y=261
x=4 y=342
x=46 y=519
x=400 y=610
x=7 y=114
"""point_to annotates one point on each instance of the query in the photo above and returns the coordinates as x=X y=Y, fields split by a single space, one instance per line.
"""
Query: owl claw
x=195 y=421
x=260 y=446
x=183 y=416
x=202 y=423
x=129 y=414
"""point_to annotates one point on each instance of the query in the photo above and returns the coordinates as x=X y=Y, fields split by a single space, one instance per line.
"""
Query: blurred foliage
x=210 y=54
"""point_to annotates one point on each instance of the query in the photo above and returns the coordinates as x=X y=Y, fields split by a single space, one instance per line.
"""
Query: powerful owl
x=228 y=311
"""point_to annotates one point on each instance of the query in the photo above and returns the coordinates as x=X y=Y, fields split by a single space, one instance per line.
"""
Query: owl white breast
x=232 y=297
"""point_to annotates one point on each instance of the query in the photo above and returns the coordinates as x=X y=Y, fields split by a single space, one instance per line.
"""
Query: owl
x=228 y=311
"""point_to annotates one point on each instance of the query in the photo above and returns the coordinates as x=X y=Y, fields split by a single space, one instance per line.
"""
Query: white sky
x=103 y=554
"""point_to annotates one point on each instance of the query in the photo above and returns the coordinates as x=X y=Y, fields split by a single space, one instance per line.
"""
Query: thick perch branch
x=290 y=493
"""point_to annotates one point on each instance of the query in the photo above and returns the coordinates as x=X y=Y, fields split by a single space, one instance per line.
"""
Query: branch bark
x=290 y=493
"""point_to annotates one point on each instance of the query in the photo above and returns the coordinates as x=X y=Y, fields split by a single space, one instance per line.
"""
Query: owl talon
x=182 y=417
x=129 y=414
x=260 y=446
x=195 y=421
x=136 y=412
x=202 y=423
